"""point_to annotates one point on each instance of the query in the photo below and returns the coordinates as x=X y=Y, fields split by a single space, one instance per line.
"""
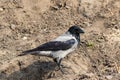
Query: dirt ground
x=25 y=24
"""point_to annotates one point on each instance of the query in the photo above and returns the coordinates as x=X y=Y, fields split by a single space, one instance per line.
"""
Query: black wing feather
x=53 y=46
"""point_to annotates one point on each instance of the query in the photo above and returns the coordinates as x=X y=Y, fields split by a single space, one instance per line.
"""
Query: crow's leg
x=58 y=61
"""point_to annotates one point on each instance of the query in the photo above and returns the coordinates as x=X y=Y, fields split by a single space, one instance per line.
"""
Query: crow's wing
x=53 y=46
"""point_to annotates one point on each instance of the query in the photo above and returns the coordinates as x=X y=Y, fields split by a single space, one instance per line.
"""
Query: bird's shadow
x=36 y=71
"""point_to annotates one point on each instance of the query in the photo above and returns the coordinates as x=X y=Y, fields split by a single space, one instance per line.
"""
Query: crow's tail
x=35 y=51
x=27 y=52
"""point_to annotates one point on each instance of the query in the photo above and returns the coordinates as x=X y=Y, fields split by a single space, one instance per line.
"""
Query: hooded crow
x=58 y=48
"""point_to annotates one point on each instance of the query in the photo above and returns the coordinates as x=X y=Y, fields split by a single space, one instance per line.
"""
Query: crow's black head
x=75 y=30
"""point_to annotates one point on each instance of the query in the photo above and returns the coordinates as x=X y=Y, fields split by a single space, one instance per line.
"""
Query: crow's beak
x=81 y=31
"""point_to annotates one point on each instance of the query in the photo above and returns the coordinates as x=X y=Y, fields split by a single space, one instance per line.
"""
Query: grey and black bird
x=60 y=47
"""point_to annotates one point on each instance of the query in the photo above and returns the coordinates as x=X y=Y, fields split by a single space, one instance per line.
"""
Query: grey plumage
x=59 y=47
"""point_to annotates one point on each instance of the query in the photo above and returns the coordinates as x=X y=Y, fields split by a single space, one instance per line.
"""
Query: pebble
x=1 y=9
x=24 y=38
x=109 y=77
x=12 y=26
x=67 y=7
x=119 y=69
x=55 y=7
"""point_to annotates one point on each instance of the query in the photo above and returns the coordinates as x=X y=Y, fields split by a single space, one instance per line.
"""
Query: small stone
x=109 y=77
x=24 y=38
x=12 y=26
x=119 y=69
x=55 y=7
x=67 y=7
x=1 y=9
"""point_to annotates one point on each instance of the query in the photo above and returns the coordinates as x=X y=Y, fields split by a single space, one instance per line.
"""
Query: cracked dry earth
x=25 y=24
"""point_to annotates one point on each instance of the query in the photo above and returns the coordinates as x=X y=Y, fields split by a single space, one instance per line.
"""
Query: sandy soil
x=25 y=24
